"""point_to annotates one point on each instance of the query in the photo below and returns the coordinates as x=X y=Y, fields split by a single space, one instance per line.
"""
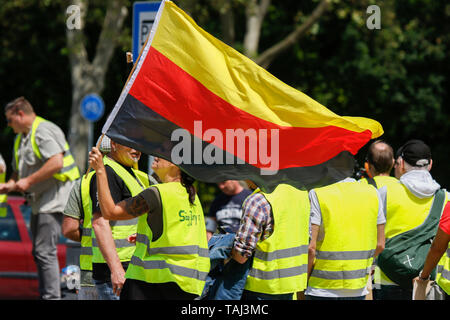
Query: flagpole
x=97 y=146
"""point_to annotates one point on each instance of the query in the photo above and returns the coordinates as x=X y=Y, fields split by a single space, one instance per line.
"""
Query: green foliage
x=398 y=75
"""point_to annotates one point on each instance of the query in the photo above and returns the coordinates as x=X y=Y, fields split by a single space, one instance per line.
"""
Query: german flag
x=197 y=102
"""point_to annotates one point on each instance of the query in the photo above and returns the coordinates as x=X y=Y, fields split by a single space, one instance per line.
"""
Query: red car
x=18 y=273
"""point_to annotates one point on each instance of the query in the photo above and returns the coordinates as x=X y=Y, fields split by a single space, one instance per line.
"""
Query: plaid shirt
x=256 y=224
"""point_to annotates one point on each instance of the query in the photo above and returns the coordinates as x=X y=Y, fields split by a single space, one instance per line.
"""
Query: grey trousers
x=45 y=231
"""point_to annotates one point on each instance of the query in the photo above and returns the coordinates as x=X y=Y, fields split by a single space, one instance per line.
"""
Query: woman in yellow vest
x=171 y=259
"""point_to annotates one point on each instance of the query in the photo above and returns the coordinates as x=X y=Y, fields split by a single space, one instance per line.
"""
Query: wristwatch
x=424 y=279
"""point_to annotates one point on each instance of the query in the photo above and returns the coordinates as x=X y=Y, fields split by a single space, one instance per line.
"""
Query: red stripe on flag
x=177 y=96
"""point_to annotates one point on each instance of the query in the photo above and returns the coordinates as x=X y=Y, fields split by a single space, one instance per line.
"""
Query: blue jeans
x=105 y=290
x=224 y=281
x=308 y=297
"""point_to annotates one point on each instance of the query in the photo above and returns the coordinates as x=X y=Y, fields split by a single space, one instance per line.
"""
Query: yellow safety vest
x=69 y=171
x=86 y=232
x=404 y=212
x=443 y=267
x=382 y=181
x=3 y=198
x=349 y=217
x=90 y=252
x=443 y=280
x=280 y=262
x=181 y=254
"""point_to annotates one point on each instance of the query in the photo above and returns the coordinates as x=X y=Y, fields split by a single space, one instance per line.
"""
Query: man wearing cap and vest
x=44 y=170
x=105 y=244
x=274 y=232
x=347 y=232
x=409 y=202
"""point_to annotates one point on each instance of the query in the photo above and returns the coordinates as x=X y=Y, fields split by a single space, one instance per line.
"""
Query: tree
x=89 y=76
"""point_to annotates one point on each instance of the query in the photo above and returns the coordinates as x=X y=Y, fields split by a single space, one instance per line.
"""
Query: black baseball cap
x=415 y=152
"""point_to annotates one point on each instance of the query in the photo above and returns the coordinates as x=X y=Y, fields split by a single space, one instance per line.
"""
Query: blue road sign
x=92 y=107
x=144 y=13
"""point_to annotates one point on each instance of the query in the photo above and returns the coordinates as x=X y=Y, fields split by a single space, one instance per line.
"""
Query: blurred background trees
x=398 y=75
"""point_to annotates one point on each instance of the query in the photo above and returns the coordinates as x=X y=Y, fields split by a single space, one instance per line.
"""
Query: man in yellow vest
x=72 y=228
x=347 y=232
x=44 y=170
x=3 y=197
x=408 y=203
x=274 y=232
x=379 y=164
x=111 y=248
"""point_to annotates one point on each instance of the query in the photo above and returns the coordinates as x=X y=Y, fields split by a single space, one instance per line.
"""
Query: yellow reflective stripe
x=16 y=149
x=36 y=123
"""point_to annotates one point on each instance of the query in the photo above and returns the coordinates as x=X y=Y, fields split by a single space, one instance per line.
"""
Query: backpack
x=405 y=254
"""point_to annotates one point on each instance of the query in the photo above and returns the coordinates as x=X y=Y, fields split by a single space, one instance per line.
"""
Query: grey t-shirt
x=74 y=204
x=50 y=195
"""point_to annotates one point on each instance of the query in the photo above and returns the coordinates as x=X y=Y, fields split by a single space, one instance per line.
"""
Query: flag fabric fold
x=199 y=103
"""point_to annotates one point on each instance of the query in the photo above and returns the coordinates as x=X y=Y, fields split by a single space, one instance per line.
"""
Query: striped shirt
x=256 y=224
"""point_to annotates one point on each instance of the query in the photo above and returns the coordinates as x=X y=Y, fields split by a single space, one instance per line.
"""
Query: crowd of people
x=147 y=237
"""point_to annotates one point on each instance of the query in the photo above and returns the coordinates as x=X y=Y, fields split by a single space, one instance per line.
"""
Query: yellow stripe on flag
x=241 y=82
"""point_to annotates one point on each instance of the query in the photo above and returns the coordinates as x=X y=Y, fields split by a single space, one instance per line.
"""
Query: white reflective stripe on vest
x=279 y=273
x=119 y=223
x=340 y=275
x=445 y=274
x=161 y=264
x=86 y=232
x=68 y=168
x=119 y=243
x=281 y=254
x=193 y=249
x=344 y=255
x=86 y=251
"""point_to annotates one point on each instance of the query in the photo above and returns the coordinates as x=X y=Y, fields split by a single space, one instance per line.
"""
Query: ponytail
x=188 y=182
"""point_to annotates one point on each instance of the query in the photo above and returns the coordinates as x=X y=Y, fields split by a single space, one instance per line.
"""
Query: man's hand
x=96 y=160
x=23 y=185
x=117 y=280
x=7 y=187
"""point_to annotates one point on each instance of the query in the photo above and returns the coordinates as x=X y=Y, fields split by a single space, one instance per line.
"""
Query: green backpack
x=405 y=254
